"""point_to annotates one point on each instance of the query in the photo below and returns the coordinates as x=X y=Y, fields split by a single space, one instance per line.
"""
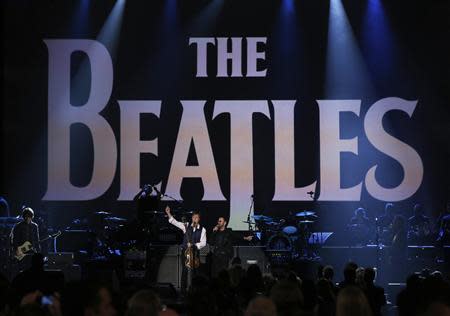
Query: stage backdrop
x=318 y=105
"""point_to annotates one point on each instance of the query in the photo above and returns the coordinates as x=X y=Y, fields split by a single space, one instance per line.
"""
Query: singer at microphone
x=194 y=235
x=221 y=239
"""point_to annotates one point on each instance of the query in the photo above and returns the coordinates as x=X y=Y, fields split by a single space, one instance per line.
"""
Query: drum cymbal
x=262 y=218
x=306 y=222
x=102 y=214
x=115 y=219
x=249 y=222
x=306 y=214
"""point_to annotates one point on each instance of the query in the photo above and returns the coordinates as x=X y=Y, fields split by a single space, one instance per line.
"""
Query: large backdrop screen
x=324 y=105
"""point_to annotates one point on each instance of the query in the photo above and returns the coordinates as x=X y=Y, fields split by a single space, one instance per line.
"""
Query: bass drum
x=279 y=242
x=290 y=230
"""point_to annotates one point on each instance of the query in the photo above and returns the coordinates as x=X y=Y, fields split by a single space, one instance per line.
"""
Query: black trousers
x=186 y=273
x=219 y=262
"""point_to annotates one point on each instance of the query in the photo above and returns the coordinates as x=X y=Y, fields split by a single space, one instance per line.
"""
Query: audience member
x=261 y=306
x=349 y=275
x=144 y=303
x=246 y=293
x=374 y=293
x=328 y=275
x=351 y=301
x=288 y=298
x=88 y=299
x=326 y=298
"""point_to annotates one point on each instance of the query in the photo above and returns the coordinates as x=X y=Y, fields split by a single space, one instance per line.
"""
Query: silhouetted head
x=369 y=275
x=236 y=261
x=351 y=301
x=86 y=298
x=328 y=272
x=350 y=272
x=261 y=306
x=389 y=209
x=28 y=214
x=254 y=272
x=287 y=296
x=418 y=210
x=144 y=302
x=360 y=212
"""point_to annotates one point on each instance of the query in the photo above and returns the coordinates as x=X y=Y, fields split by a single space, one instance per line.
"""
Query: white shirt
x=181 y=226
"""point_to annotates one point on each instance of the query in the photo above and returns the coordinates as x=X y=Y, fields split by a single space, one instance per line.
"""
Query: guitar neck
x=50 y=236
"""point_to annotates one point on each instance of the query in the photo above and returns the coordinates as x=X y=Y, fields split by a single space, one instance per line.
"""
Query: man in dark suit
x=222 y=240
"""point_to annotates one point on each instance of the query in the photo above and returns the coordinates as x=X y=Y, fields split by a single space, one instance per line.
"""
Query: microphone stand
x=171 y=198
x=250 y=228
x=165 y=195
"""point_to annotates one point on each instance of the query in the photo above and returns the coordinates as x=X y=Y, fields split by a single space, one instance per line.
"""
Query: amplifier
x=252 y=255
x=165 y=264
x=135 y=264
x=59 y=259
x=75 y=240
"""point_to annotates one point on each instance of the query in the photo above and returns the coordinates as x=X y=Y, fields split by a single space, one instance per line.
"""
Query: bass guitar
x=27 y=248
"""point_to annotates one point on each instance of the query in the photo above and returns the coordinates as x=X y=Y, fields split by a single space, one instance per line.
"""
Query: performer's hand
x=55 y=308
x=189 y=245
x=30 y=298
x=248 y=238
x=216 y=228
x=167 y=210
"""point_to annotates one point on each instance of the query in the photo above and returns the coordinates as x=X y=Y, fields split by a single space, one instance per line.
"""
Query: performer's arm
x=202 y=242
x=230 y=240
x=174 y=222
x=14 y=240
x=177 y=224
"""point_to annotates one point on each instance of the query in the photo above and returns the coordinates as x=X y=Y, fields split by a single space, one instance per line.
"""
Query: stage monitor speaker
x=167 y=261
x=74 y=241
x=59 y=259
x=135 y=264
x=168 y=265
x=252 y=255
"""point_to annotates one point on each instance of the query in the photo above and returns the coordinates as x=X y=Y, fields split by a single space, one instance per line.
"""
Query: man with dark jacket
x=222 y=240
x=24 y=231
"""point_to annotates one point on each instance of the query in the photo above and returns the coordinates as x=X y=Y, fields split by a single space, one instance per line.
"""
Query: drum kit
x=288 y=237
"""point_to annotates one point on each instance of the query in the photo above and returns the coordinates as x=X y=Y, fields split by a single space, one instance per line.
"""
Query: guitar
x=27 y=248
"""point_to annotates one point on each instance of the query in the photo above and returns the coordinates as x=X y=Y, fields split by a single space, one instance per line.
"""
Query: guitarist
x=26 y=230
